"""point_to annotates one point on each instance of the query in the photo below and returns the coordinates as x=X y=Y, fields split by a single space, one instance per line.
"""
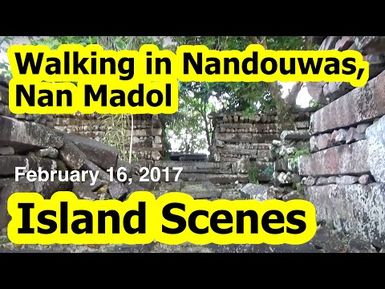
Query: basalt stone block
x=254 y=191
x=7 y=188
x=117 y=190
x=72 y=156
x=201 y=190
x=48 y=153
x=370 y=44
x=8 y=164
x=102 y=155
x=344 y=43
x=302 y=134
x=24 y=136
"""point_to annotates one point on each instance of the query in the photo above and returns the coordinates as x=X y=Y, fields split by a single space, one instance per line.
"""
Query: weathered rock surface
x=88 y=165
x=117 y=190
x=281 y=165
x=376 y=64
x=375 y=135
x=254 y=191
x=8 y=164
x=293 y=195
x=309 y=181
x=370 y=44
x=239 y=137
x=320 y=142
x=201 y=190
x=339 y=137
x=295 y=135
x=23 y=136
x=47 y=152
x=365 y=179
x=72 y=156
x=231 y=195
x=85 y=190
x=287 y=178
x=102 y=155
x=339 y=160
x=361 y=104
x=355 y=209
x=346 y=180
x=46 y=189
x=322 y=181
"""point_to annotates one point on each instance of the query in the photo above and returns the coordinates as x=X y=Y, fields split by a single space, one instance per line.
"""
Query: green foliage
x=56 y=41
x=4 y=67
x=118 y=133
x=285 y=42
x=293 y=159
x=253 y=173
x=189 y=122
x=315 y=104
x=299 y=187
x=305 y=151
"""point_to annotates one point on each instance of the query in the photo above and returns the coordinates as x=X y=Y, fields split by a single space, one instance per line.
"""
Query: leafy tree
x=232 y=96
x=244 y=96
x=192 y=117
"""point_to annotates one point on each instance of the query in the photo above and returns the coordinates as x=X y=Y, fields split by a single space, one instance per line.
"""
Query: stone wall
x=237 y=136
x=345 y=172
x=147 y=137
x=260 y=142
x=26 y=142
x=286 y=151
x=89 y=125
x=246 y=141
